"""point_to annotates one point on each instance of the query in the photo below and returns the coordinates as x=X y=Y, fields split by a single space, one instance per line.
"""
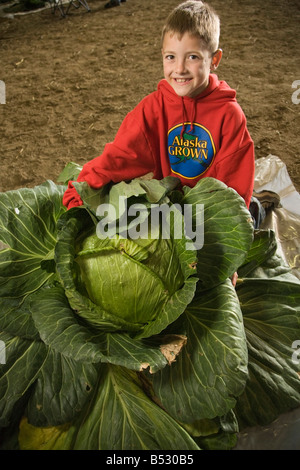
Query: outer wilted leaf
x=212 y=369
x=37 y=438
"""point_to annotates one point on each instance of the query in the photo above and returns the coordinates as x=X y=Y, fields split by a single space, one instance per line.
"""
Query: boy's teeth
x=182 y=80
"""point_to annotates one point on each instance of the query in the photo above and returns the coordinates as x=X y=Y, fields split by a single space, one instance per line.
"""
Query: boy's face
x=187 y=63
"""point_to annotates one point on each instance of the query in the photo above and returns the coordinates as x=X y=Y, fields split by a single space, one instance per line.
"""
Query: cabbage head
x=113 y=341
x=129 y=278
x=138 y=284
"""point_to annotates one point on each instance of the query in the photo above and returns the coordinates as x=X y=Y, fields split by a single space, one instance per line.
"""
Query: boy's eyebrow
x=166 y=51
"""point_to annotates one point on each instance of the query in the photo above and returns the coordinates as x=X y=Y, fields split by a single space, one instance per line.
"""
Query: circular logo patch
x=192 y=154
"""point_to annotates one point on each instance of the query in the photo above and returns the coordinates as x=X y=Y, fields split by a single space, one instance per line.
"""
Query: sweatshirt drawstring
x=184 y=118
x=193 y=117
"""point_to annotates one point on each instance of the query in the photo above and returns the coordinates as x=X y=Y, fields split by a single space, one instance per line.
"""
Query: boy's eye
x=193 y=57
x=169 y=57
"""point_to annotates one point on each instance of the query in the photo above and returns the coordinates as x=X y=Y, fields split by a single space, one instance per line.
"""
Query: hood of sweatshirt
x=217 y=90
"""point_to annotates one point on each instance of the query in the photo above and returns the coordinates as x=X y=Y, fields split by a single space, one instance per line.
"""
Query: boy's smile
x=187 y=63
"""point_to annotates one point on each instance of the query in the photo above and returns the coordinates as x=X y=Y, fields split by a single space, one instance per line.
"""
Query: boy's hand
x=71 y=198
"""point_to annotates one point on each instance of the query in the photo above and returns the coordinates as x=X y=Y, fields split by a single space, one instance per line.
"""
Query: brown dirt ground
x=71 y=81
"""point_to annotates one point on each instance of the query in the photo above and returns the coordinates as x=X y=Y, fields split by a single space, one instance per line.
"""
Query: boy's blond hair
x=196 y=18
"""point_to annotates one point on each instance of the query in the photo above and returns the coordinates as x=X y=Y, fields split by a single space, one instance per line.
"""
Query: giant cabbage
x=140 y=343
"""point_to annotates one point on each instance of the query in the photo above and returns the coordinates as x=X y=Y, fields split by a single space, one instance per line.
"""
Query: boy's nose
x=180 y=66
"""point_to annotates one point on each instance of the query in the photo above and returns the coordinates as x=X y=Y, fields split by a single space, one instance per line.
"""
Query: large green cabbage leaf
x=28 y=233
x=212 y=369
x=272 y=325
x=135 y=421
x=79 y=376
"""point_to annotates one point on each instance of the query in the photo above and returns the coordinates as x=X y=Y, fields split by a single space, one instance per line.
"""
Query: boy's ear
x=216 y=59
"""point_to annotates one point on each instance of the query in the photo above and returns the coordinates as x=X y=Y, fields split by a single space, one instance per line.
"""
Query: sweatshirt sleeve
x=128 y=156
x=236 y=161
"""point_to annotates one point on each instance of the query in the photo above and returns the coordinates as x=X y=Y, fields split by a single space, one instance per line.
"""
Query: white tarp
x=271 y=174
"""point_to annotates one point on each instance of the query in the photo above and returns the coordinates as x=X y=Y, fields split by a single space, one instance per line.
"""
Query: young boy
x=191 y=127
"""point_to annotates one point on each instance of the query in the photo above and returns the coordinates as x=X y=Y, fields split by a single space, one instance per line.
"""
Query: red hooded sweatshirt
x=190 y=138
